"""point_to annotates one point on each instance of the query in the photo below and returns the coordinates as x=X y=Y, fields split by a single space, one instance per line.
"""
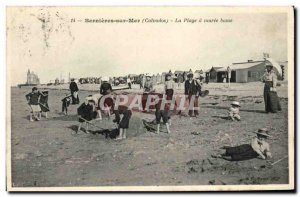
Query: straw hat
x=235 y=103
x=263 y=132
x=148 y=75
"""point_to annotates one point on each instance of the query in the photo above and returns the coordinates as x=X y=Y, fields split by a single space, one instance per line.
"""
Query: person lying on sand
x=258 y=148
x=234 y=111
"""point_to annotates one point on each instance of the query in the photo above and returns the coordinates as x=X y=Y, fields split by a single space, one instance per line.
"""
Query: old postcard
x=150 y=98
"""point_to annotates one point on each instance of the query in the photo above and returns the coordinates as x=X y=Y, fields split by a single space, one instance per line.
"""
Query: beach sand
x=47 y=153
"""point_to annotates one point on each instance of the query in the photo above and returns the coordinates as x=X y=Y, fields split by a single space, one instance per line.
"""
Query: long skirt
x=75 y=98
x=271 y=99
x=242 y=152
x=88 y=116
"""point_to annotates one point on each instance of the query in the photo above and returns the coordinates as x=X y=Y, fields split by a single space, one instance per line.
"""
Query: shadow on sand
x=108 y=133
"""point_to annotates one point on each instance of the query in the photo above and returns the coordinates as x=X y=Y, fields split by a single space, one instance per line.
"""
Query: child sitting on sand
x=86 y=112
x=33 y=99
x=234 y=111
x=257 y=148
x=65 y=103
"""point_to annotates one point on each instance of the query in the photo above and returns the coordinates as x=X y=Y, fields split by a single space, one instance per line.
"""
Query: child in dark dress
x=44 y=103
x=65 y=103
x=86 y=112
x=123 y=123
x=33 y=100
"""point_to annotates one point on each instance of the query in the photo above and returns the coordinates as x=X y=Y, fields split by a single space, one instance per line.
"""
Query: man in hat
x=272 y=103
x=234 y=111
x=74 y=92
x=148 y=86
x=191 y=89
x=257 y=148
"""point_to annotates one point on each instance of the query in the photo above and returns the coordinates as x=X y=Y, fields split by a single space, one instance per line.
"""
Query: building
x=32 y=78
x=211 y=74
x=250 y=71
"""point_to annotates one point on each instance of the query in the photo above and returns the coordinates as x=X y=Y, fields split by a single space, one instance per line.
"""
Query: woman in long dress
x=271 y=99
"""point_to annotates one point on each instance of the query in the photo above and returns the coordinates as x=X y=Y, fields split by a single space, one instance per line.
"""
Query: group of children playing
x=90 y=109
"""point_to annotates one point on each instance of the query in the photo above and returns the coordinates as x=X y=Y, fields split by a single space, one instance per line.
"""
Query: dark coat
x=192 y=88
x=73 y=87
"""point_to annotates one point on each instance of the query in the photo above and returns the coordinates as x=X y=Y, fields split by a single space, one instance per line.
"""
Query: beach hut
x=211 y=74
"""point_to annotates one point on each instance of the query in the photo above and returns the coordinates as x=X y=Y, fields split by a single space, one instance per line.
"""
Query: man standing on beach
x=191 y=89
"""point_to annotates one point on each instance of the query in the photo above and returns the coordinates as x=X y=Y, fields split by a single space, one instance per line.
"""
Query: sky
x=44 y=40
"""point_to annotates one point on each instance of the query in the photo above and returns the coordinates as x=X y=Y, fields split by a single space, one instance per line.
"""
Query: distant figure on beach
x=272 y=103
x=33 y=100
x=74 y=92
x=129 y=82
x=105 y=87
x=234 y=111
x=257 y=148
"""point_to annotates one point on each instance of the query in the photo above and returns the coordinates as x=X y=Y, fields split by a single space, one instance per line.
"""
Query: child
x=123 y=123
x=257 y=148
x=86 y=112
x=234 y=111
x=162 y=114
x=44 y=102
x=65 y=103
x=33 y=99
x=169 y=91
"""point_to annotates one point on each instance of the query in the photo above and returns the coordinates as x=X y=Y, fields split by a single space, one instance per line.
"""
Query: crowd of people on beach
x=108 y=103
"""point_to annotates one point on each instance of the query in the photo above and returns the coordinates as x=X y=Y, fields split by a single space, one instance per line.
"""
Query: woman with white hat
x=257 y=148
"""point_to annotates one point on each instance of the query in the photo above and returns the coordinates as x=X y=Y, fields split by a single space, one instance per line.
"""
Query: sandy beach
x=47 y=153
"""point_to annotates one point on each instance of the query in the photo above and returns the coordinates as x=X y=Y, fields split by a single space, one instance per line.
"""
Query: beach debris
x=195 y=133
x=212 y=182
